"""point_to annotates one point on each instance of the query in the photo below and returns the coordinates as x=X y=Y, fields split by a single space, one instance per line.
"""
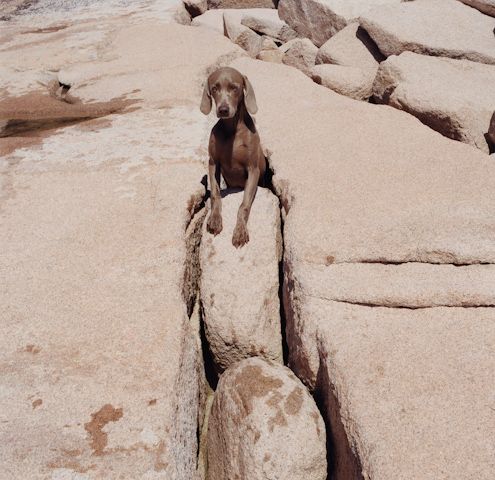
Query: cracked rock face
x=264 y=424
x=239 y=287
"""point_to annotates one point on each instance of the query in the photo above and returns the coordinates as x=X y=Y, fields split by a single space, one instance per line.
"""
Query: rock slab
x=265 y=424
x=422 y=27
x=239 y=287
x=454 y=97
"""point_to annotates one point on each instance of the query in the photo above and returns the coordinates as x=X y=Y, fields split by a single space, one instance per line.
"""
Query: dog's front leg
x=241 y=235
x=214 y=224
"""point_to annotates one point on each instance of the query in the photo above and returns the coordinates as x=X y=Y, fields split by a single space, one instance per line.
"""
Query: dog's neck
x=241 y=117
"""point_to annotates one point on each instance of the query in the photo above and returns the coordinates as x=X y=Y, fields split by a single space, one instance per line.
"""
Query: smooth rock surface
x=101 y=365
x=319 y=20
x=299 y=53
x=354 y=199
x=454 y=97
x=349 y=81
x=446 y=28
x=484 y=6
x=265 y=424
x=351 y=47
x=239 y=287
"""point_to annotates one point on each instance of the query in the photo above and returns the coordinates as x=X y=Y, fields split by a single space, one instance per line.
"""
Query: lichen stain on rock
x=294 y=401
x=99 y=438
x=251 y=383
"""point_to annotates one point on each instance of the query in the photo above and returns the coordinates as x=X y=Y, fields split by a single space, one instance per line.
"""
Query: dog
x=490 y=136
x=234 y=147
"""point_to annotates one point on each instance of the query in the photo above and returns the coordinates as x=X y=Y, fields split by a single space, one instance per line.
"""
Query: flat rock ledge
x=265 y=424
x=239 y=287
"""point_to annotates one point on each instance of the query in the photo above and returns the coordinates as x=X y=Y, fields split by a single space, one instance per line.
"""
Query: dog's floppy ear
x=249 y=98
x=205 y=106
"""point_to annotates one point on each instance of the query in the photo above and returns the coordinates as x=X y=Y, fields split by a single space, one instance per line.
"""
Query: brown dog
x=490 y=136
x=234 y=147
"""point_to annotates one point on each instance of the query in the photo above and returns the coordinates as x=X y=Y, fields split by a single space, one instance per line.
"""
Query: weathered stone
x=239 y=287
x=242 y=4
x=422 y=27
x=484 y=6
x=349 y=81
x=319 y=20
x=213 y=19
x=353 y=199
x=299 y=53
x=270 y=25
x=264 y=424
x=454 y=97
x=102 y=370
x=196 y=7
x=243 y=36
x=182 y=15
x=350 y=47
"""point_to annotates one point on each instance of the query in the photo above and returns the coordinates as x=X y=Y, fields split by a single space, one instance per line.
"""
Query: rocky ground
x=353 y=337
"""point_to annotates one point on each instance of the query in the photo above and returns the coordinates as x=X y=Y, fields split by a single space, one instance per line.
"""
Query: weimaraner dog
x=234 y=148
x=491 y=134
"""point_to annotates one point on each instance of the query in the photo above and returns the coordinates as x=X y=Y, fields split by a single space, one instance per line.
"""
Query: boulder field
x=353 y=337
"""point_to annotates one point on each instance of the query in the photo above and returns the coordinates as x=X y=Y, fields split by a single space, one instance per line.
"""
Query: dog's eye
x=234 y=88
x=214 y=89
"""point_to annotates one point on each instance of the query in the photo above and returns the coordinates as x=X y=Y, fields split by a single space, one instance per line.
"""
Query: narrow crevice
x=211 y=372
x=268 y=183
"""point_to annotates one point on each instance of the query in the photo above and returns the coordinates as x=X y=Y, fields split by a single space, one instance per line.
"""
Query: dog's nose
x=223 y=110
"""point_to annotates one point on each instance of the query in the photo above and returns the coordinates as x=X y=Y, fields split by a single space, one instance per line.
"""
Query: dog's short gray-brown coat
x=234 y=148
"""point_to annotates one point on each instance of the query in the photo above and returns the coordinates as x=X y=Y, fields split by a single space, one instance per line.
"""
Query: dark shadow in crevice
x=208 y=361
x=370 y=44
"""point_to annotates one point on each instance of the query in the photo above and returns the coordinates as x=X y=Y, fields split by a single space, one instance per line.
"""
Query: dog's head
x=228 y=87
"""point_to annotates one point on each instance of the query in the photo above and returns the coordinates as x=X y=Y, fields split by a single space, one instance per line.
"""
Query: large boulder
x=350 y=47
x=195 y=7
x=318 y=20
x=349 y=81
x=101 y=363
x=454 y=97
x=378 y=205
x=422 y=27
x=484 y=6
x=265 y=424
x=299 y=53
x=239 y=287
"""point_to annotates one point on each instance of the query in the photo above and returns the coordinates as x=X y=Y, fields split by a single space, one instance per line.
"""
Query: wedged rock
x=422 y=27
x=454 y=97
x=242 y=4
x=270 y=25
x=243 y=36
x=299 y=53
x=239 y=287
x=270 y=51
x=350 y=47
x=319 y=20
x=349 y=81
x=355 y=199
x=265 y=424
x=182 y=15
x=196 y=7
x=484 y=6
x=274 y=56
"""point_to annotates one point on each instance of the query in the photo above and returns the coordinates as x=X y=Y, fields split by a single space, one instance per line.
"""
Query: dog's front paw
x=214 y=224
x=240 y=236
